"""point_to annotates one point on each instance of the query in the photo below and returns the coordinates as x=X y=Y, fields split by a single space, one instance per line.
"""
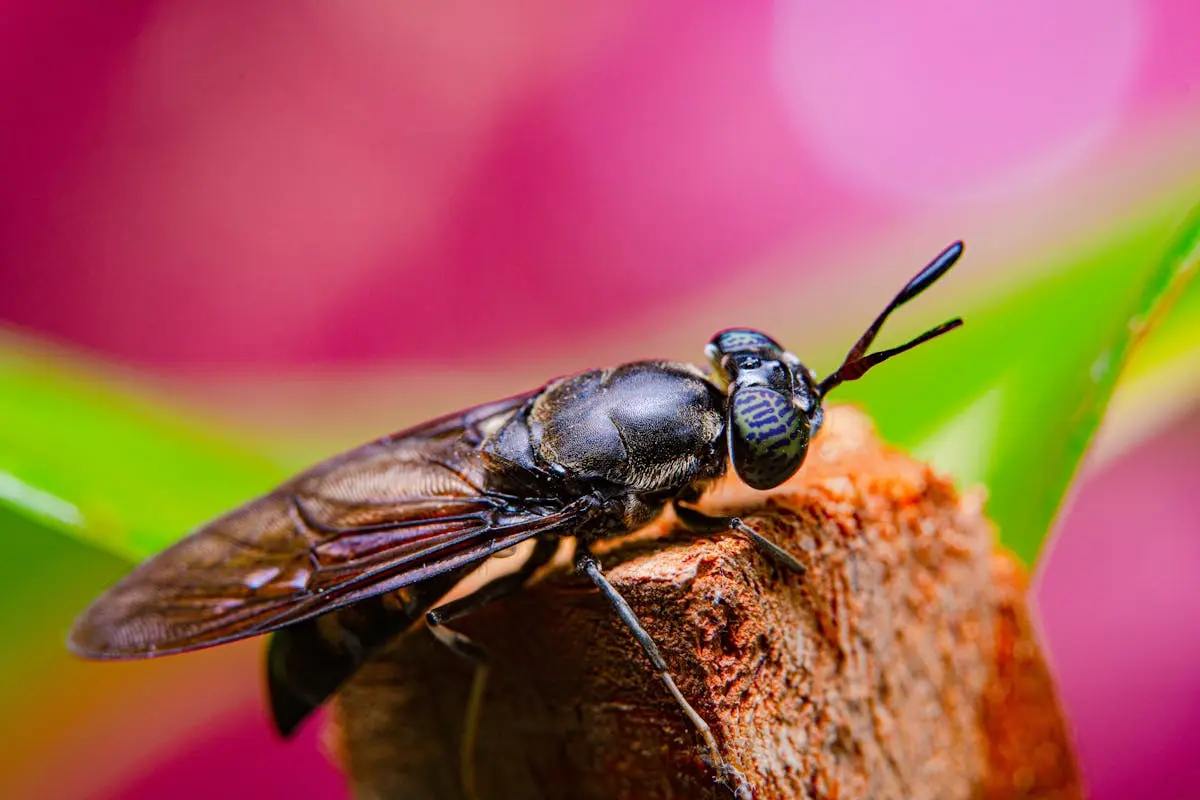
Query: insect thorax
x=645 y=427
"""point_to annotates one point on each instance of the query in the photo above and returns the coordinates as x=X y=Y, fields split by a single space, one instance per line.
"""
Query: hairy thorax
x=647 y=426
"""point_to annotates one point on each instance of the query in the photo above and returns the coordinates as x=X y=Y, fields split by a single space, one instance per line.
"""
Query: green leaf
x=81 y=458
x=45 y=580
x=1160 y=383
x=1013 y=400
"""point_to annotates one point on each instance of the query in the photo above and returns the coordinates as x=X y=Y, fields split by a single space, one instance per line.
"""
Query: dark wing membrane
x=398 y=510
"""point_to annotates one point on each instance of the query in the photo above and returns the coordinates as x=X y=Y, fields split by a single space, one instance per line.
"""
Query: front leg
x=699 y=522
x=586 y=563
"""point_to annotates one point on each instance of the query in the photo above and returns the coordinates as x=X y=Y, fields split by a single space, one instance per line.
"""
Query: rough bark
x=901 y=665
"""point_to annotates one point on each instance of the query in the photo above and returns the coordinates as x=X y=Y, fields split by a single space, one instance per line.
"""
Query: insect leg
x=468 y=649
x=699 y=522
x=543 y=550
x=586 y=563
x=308 y=661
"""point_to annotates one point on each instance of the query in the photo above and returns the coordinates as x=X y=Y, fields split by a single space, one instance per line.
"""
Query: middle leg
x=586 y=563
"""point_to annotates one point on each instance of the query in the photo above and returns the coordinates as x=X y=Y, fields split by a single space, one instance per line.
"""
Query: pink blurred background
x=227 y=193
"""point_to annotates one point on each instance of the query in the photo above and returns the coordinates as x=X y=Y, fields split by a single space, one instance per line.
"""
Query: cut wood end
x=901 y=665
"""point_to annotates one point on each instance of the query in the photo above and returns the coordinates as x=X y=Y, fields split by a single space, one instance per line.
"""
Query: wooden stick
x=901 y=664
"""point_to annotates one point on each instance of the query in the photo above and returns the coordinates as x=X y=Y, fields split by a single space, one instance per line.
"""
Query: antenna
x=856 y=364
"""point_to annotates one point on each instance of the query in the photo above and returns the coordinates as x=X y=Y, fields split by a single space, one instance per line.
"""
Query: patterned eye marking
x=733 y=341
x=768 y=436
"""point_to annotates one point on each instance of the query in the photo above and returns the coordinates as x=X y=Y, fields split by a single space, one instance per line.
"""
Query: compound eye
x=768 y=436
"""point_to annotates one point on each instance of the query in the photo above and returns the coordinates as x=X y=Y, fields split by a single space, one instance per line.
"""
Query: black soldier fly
x=345 y=556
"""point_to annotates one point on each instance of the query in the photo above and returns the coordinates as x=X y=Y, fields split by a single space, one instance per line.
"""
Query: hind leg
x=476 y=654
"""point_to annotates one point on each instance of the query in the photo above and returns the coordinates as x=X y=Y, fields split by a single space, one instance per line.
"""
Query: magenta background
x=240 y=186
x=337 y=167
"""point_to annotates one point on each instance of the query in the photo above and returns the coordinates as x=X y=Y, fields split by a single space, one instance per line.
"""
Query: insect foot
x=900 y=664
